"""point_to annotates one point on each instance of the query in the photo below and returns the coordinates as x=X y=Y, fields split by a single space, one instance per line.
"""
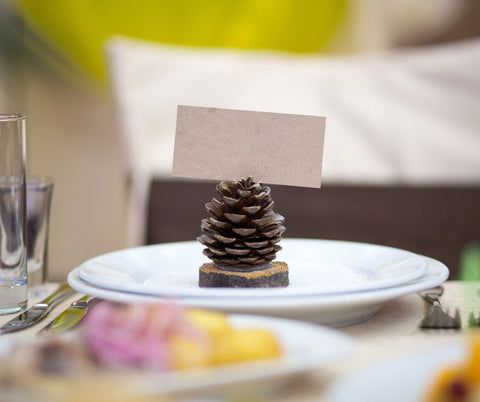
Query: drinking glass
x=13 y=261
x=39 y=197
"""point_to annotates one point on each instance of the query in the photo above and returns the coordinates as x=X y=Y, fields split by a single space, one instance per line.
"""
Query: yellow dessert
x=458 y=382
x=230 y=345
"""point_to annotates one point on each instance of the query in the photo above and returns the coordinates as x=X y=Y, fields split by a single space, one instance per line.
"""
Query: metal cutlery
x=473 y=321
x=38 y=311
x=436 y=318
x=70 y=317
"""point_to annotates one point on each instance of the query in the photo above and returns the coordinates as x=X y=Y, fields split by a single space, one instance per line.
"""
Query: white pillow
x=410 y=116
x=407 y=116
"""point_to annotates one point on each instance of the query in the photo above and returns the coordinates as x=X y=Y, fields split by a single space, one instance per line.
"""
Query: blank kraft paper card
x=224 y=144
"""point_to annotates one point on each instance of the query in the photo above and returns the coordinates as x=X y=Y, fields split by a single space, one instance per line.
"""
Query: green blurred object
x=80 y=27
x=470 y=262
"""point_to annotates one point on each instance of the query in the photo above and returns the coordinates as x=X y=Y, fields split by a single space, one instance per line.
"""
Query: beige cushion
x=408 y=116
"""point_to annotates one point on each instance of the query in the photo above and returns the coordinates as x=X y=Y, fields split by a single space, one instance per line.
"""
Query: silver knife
x=70 y=317
x=38 y=311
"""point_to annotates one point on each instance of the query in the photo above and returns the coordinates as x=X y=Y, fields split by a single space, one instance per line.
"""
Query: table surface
x=392 y=332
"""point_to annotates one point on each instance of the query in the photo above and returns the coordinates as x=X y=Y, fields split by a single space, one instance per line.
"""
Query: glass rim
x=11 y=116
x=39 y=180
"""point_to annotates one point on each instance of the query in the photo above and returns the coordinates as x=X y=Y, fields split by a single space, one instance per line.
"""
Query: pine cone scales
x=242 y=230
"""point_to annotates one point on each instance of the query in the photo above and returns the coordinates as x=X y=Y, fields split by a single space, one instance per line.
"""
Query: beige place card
x=224 y=144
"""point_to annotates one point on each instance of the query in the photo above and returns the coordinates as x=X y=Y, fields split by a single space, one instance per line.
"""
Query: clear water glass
x=39 y=198
x=13 y=257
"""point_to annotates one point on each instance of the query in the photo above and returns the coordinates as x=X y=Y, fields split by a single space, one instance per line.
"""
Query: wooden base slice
x=212 y=277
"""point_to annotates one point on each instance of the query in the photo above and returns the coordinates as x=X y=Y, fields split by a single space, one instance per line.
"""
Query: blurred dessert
x=241 y=235
x=459 y=382
x=146 y=336
x=119 y=342
x=171 y=337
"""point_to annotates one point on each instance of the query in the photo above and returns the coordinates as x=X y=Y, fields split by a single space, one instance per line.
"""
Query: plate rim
x=250 y=292
x=426 y=281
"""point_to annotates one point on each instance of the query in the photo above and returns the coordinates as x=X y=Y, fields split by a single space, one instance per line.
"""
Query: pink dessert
x=138 y=335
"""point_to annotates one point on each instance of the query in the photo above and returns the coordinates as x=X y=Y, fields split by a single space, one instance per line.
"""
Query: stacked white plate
x=334 y=283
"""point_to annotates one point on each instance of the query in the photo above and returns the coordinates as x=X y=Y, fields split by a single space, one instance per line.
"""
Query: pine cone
x=242 y=230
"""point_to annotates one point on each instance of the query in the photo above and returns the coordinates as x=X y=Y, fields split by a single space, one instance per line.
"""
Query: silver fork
x=436 y=318
x=472 y=320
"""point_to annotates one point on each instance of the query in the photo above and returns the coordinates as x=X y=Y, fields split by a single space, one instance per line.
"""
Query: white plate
x=300 y=355
x=397 y=380
x=331 y=309
x=315 y=267
x=305 y=347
